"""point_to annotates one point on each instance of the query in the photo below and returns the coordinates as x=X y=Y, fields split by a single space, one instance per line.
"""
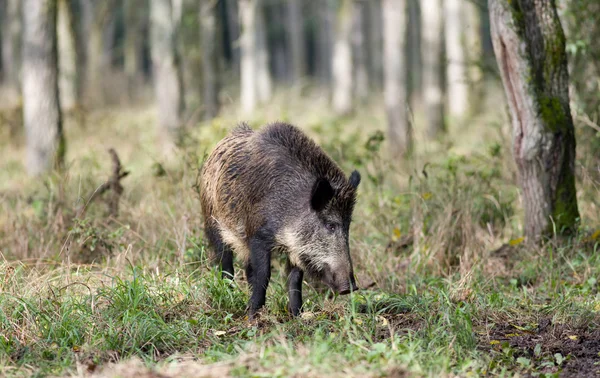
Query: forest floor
x=449 y=286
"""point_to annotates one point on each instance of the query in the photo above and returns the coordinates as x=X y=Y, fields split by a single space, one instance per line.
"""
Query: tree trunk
x=41 y=105
x=413 y=51
x=456 y=69
x=296 y=39
x=11 y=44
x=474 y=55
x=210 y=76
x=166 y=68
x=325 y=20
x=248 y=60
x=374 y=43
x=433 y=88
x=342 y=60
x=359 y=48
x=68 y=58
x=97 y=63
x=233 y=28
x=529 y=44
x=264 y=81
x=394 y=71
x=133 y=46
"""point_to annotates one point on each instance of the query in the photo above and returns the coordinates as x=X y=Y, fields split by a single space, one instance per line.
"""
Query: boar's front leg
x=260 y=268
x=294 y=287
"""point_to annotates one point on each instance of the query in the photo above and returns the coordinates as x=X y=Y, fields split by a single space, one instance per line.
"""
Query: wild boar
x=276 y=189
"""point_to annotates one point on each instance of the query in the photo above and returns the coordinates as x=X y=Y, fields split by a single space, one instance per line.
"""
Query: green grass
x=113 y=296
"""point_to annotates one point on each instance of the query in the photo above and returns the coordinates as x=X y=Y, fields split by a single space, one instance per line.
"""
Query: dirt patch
x=547 y=348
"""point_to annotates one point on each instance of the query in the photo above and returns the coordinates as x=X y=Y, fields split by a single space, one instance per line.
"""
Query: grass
x=451 y=288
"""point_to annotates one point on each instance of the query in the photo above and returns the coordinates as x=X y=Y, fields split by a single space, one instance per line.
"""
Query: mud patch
x=546 y=348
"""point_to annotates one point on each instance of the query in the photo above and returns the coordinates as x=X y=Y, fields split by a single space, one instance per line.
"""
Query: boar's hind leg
x=223 y=253
x=259 y=270
x=294 y=287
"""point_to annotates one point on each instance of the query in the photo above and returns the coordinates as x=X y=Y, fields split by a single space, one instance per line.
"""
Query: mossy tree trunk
x=529 y=44
x=41 y=105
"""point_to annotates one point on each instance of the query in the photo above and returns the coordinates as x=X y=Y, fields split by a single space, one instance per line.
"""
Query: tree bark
x=11 y=44
x=264 y=81
x=343 y=85
x=296 y=39
x=69 y=61
x=41 y=105
x=529 y=44
x=474 y=55
x=433 y=88
x=166 y=68
x=248 y=59
x=210 y=76
x=394 y=70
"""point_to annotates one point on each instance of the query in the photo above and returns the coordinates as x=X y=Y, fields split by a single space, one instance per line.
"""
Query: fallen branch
x=113 y=184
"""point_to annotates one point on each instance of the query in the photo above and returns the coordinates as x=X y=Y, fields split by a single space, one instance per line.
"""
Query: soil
x=580 y=347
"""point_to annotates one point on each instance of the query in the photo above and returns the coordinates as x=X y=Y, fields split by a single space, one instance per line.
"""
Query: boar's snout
x=340 y=283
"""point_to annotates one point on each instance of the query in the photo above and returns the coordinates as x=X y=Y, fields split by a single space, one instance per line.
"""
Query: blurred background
x=396 y=88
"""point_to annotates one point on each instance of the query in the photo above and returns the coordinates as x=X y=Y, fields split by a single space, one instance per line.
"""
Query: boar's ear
x=354 y=179
x=322 y=193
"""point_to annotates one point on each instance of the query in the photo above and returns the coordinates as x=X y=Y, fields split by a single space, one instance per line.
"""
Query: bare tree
x=248 y=59
x=374 y=42
x=296 y=39
x=473 y=41
x=414 y=53
x=343 y=85
x=233 y=28
x=433 y=88
x=166 y=68
x=394 y=71
x=11 y=43
x=210 y=76
x=529 y=44
x=41 y=105
x=69 y=61
x=456 y=69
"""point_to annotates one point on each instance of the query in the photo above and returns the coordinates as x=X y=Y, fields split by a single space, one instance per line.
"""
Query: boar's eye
x=331 y=227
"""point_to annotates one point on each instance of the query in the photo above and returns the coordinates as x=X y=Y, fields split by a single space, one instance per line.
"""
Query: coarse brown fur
x=276 y=188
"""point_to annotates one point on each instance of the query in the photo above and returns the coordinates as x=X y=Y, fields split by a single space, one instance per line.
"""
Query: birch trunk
x=208 y=35
x=342 y=60
x=41 y=105
x=166 y=68
x=529 y=44
x=394 y=70
x=433 y=89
